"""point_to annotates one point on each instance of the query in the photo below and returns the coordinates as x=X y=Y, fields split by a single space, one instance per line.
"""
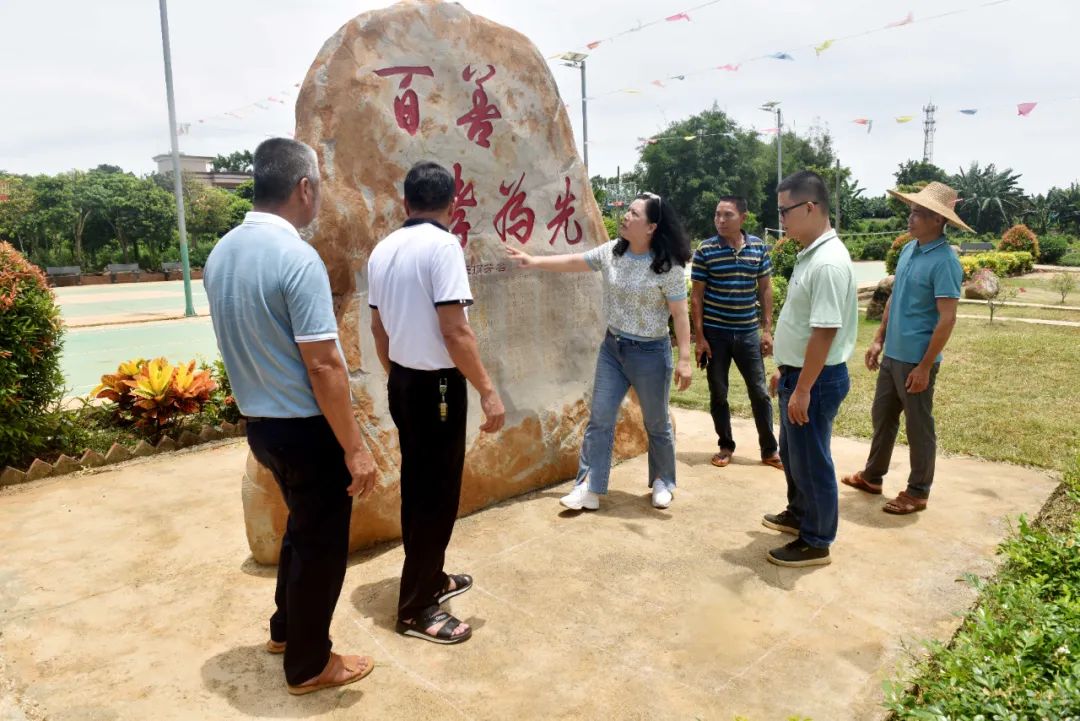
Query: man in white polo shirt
x=418 y=291
x=274 y=321
x=815 y=336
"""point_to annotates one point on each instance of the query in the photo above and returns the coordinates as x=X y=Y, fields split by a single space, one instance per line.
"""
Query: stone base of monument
x=496 y=469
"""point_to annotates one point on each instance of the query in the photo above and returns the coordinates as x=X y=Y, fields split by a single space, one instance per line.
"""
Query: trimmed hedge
x=1002 y=264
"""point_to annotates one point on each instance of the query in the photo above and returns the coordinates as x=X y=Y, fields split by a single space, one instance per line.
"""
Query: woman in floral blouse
x=644 y=282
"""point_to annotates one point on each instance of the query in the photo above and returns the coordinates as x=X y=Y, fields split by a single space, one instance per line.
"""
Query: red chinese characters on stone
x=407 y=105
x=564 y=210
x=514 y=218
x=482 y=112
x=464 y=197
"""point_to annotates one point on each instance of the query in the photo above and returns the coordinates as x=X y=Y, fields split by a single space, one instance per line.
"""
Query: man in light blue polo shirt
x=917 y=322
x=274 y=320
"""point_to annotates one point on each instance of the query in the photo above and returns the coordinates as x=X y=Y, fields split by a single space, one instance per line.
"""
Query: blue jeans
x=647 y=367
x=807 y=454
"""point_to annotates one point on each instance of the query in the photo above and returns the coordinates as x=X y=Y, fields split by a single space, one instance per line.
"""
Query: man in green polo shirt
x=815 y=336
x=917 y=322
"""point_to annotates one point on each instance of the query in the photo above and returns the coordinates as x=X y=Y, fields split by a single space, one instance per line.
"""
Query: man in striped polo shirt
x=731 y=275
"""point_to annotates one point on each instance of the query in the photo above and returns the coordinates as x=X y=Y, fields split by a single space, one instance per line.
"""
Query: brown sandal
x=721 y=459
x=355 y=674
x=856 y=480
x=275 y=647
x=904 y=504
x=773 y=461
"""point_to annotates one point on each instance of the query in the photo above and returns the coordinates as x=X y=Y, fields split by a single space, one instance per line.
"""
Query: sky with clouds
x=82 y=83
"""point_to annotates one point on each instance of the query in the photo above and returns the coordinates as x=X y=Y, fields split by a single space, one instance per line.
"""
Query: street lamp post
x=178 y=182
x=773 y=106
x=577 y=60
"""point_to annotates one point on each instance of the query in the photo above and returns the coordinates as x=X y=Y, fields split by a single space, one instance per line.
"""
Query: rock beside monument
x=982 y=286
x=876 y=309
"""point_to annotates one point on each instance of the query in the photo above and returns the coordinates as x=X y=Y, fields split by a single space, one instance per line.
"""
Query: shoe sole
x=579 y=507
x=305 y=690
x=661 y=505
x=800 y=564
x=451 y=594
x=780 y=527
x=441 y=641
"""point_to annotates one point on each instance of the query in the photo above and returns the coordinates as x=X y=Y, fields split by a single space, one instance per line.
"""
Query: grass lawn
x=1037 y=290
x=983 y=311
x=1006 y=392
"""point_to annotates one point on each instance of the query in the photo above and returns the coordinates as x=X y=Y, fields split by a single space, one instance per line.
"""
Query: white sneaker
x=581 y=498
x=661 y=494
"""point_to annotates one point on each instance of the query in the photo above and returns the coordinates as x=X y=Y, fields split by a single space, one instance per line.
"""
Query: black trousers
x=432 y=459
x=309 y=465
x=745 y=350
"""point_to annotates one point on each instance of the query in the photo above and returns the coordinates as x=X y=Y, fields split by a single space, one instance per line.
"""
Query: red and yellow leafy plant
x=1019 y=238
x=151 y=395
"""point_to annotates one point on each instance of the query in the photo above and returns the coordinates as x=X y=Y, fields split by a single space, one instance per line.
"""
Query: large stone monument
x=430 y=81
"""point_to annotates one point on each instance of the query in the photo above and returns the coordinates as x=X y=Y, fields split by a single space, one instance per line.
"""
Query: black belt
x=784 y=370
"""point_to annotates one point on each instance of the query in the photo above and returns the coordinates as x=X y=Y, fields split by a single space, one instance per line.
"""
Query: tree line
x=105 y=215
x=726 y=159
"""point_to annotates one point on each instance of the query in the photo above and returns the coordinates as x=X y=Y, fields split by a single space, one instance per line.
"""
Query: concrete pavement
x=128 y=594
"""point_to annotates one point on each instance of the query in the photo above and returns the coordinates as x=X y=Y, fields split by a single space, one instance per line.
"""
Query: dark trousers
x=806 y=451
x=745 y=350
x=309 y=466
x=432 y=459
x=890 y=399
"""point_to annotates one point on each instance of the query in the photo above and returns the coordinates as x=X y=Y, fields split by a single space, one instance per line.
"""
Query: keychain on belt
x=444 y=410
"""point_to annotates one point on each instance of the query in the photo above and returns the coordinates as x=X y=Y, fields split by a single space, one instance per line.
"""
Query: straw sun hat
x=937 y=197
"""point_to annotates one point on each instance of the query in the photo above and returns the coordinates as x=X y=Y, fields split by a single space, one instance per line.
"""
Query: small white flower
x=1062 y=651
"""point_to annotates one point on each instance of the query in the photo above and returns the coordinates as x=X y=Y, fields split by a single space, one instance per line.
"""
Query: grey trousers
x=890 y=399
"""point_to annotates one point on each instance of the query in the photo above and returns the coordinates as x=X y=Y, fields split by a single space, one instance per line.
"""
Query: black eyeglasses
x=785 y=211
x=659 y=204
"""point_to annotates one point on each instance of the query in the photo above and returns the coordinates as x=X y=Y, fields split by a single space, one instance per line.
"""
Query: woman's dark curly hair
x=670 y=243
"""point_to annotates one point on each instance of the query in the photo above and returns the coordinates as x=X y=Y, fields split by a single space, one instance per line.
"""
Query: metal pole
x=584 y=120
x=779 y=167
x=178 y=182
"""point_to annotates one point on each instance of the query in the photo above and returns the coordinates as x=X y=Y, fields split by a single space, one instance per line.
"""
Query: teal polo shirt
x=924 y=273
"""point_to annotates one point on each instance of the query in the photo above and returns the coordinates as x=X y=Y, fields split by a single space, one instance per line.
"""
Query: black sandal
x=445 y=635
x=462 y=583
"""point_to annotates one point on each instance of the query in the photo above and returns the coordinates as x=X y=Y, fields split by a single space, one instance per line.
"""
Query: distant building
x=200 y=168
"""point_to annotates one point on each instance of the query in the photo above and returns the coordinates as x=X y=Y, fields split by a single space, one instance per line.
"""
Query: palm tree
x=1064 y=208
x=989 y=200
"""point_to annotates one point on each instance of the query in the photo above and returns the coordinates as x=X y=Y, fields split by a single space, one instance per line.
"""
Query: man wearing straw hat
x=917 y=322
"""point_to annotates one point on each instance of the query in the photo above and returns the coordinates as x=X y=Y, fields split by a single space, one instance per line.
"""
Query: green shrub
x=31 y=338
x=1053 y=247
x=1017 y=655
x=1019 y=238
x=867 y=247
x=612 y=227
x=779 y=291
x=783 y=256
x=1070 y=259
x=892 y=257
x=876 y=248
